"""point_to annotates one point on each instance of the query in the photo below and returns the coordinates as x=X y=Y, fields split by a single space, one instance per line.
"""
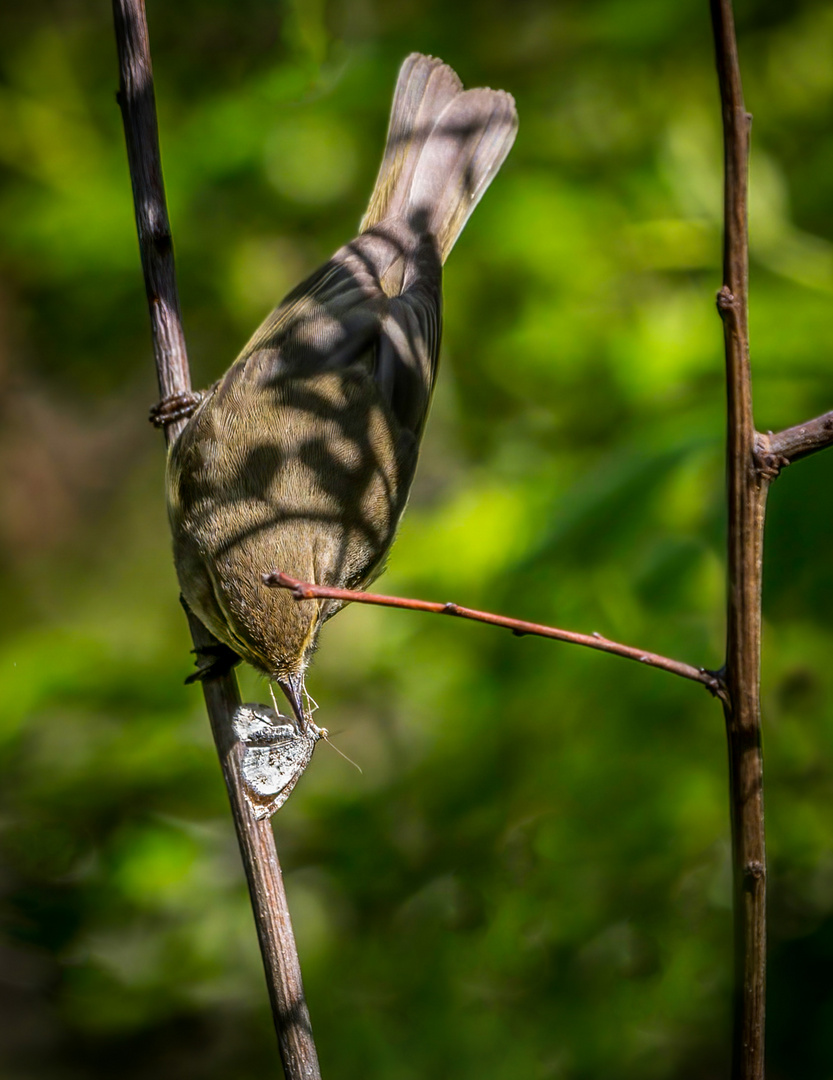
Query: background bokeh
x=530 y=877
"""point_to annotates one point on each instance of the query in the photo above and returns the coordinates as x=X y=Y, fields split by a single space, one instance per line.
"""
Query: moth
x=275 y=755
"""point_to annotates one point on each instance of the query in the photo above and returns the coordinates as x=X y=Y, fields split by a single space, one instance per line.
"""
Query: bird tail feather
x=444 y=146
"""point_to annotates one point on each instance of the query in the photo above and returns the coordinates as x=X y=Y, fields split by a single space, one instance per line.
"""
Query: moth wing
x=270 y=773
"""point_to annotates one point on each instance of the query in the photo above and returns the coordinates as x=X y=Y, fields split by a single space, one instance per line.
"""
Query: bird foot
x=213 y=662
x=175 y=407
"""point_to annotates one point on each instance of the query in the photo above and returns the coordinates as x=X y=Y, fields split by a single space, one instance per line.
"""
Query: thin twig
x=304 y=590
x=256 y=839
x=799 y=441
x=747 y=491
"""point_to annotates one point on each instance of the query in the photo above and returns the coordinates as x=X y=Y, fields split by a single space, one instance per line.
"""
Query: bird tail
x=445 y=145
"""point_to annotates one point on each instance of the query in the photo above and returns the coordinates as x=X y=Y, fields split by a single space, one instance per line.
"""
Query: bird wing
x=377 y=304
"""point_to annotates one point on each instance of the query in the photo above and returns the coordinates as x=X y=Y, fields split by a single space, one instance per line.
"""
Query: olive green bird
x=301 y=457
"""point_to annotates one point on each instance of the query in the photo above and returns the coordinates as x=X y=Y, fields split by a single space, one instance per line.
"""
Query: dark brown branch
x=265 y=879
x=799 y=441
x=138 y=106
x=303 y=590
x=747 y=491
x=256 y=839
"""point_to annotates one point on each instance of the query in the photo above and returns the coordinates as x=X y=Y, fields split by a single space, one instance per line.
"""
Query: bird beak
x=293 y=689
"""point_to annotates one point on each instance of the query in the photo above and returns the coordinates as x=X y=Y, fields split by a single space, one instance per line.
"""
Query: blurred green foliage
x=530 y=877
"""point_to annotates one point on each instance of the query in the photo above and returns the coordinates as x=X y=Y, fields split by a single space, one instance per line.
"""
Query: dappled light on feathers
x=302 y=456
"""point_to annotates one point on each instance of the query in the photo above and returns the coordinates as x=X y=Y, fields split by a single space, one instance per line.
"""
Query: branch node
x=726 y=301
x=753 y=872
x=715 y=684
x=450 y=608
x=768 y=462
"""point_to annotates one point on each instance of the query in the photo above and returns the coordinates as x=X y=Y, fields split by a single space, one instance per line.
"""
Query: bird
x=301 y=457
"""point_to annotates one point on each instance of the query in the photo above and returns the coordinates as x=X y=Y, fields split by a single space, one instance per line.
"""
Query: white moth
x=275 y=755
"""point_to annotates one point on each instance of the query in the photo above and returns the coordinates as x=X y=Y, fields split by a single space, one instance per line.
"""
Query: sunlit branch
x=303 y=590
x=257 y=842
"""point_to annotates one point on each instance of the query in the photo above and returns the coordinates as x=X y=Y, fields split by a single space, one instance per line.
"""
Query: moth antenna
x=325 y=735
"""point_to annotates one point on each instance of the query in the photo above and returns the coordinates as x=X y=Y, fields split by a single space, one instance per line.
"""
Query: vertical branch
x=138 y=106
x=747 y=491
x=256 y=839
x=265 y=879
